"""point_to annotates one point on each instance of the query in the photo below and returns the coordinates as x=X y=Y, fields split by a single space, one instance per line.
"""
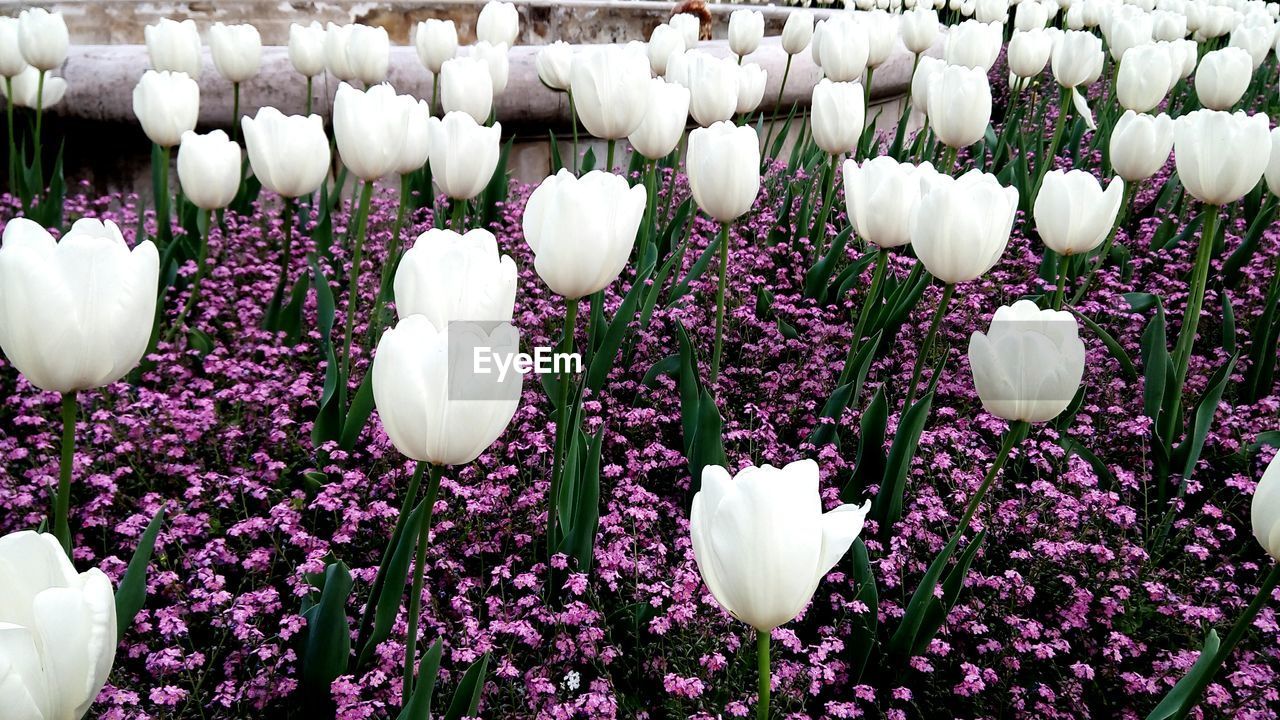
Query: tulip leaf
x=132 y=593
x=850 y=275
x=328 y=421
x=866 y=624
x=1106 y=479
x=669 y=365
x=824 y=432
x=1258 y=380
x=1188 y=452
x=588 y=162
x=695 y=271
x=584 y=519
x=419 y=705
x=815 y=281
x=554 y=148
x=1233 y=266
x=1156 y=363
x=328 y=637
x=782 y=136
x=1141 y=302
x=466 y=699
x=387 y=594
x=291 y=315
x=903 y=640
x=1183 y=237
x=1181 y=693
x=359 y=412
x=936 y=609
x=887 y=508
x=1115 y=348
x=603 y=359
x=1228 y=325
x=869 y=465
x=496 y=191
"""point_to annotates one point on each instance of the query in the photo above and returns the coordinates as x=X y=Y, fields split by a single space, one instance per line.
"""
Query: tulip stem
x=1191 y=318
x=39 y=160
x=435 y=93
x=379 y=581
x=419 y=567
x=724 y=267
x=62 y=503
x=947 y=291
x=777 y=106
x=163 y=228
x=573 y=120
x=608 y=164
x=353 y=290
x=390 y=263
x=13 y=146
x=1016 y=433
x=819 y=230
x=309 y=90
x=1046 y=160
x=1241 y=626
x=235 y=111
x=271 y=322
x=202 y=261
x=562 y=428
x=459 y=211
x=765 y=682
x=873 y=300
x=1130 y=192
x=1064 y=263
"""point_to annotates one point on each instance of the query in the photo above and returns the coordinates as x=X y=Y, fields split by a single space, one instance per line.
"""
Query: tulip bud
x=609 y=86
x=751 y=82
x=961 y=225
x=762 y=542
x=209 y=169
x=959 y=103
x=1168 y=25
x=1222 y=77
x=463 y=153
x=465 y=86
x=357 y=52
x=1145 y=77
x=236 y=50
x=1221 y=156
x=417 y=136
x=837 y=115
x=430 y=414
x=498 y=24
x=57 y=630
x=665 y=43
x=882 y=33
x=926 y=70
x=43 y=38
x=437 y=42
x=1028 y=366
x=581 y=230
x=450 y=277
x=167 y=104
x=289 y=155
x=843 y=49
x=1128 y=32
x=1264 y=511
x=1255 y=40
x=175 y=46
x=723 y=164
x=11 y=60
x=27 y=92
x=815 y=44
x=690 y=27
x=797 y=32
x=991 y=11
x=746 y=29
x=713 y=87
x=554 y=62
x=881 y=196
x=306 y=48
x=1073 y=214
x=1272 y=172
x=919 y=29
x=1140 y=145
x=973 y=44
x=369 y=128
x=667 y=111
x=1076 y=56
x=1029 y=52
x=77 y=312
x=1030 y=15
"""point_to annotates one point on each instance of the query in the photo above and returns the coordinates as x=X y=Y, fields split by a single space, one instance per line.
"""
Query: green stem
x=435 y=93
x=309 y=89
x=777 y=106
x=162 y=203
x=62 y=503
x=1064 y=266
x=573 y=120
x=39 y=143
x=1191 y=317
x=286 y=257
x=235 y=111
x=1241 y=626
x=947 y=291
x=765 y=681
x=459 y=215
x=406 y=508
x=724 y=267
x=651 y=209
x=1015 y=434
x=389 y=264
x=562 y=426
x=828 y=191
x=873 y=300
x=419 y=566
x=1046 y=160
x=13 y=146
x=202 y=262
x=608 y=165
x=353 y=291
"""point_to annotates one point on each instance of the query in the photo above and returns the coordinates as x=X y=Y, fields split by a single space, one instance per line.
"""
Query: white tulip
x=436 y=42
x=919 y=29
x=1223 y=77
x=1128 y=32
x=1256 y=40
x=582 y=230
x=498 y=24
x=751 y=82
x=306 y=48
x=973 y=44
x=11 y=60
x=463 y=153
x=357 y=52
x=1030 y=15
x=713 y=87
x=554 y=62
x=762 y=542
x=797 y=32
x=926 y=69
x=746 y=29
x=666 y=113
x=1221 y=156
x=723 y=163
x=417 y=136
x=690 y=26
x=1168 y=25
x=209 y=169
x=496 y=58
x=837 y=115
x=882 y=34
x=75 y=314
x=1272 y=172
x=881 y=196
x=843 y=48
x=369 y=129
x=1145 y=77
x=1140 y=145
x=961 y=225
x=236 y=50
x=991 y=11
x=1264 y=511
x=28 y=93
x=289 y=154
x=959 y=104
x=174 y=46
x=167 y=104
x=1029 y=52
x=57 y=630
x=665 y=43
x=1029 y=364
x=465 y=86
x=1076 y=56
x=450 y=277
x=43 y=38
x=431 y=414
x=1073 y=214
x=1189 y=52
x=610 y=85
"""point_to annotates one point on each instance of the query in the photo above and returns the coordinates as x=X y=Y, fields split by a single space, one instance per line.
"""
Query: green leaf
x=869 y=466
x=903 y=640
x=359 y=412
x=1156 y=363
x=1106 y=479
x=1188 y=452
x=695 y=271
x=328 y=639
x=815 y=281
x=554 y=147
x=391 y=591
x=887 y=508
x=1180 y=694
x=580 y=533
x=936 y=609
x=865 y=625
x=466 y=699
x=132 y=593
x=1114 y=347
x=603 y=358
x=419 y=706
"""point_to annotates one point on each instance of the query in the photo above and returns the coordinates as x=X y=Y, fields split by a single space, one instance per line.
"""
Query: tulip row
x=944 y=198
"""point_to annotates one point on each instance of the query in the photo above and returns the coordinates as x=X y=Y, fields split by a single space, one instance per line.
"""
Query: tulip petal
x=23 y=693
